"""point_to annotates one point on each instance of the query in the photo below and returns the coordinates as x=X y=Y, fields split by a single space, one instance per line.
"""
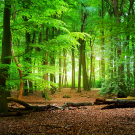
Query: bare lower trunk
x=5 y=58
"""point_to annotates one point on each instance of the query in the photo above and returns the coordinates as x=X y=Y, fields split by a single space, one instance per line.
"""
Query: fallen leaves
x=90 y=121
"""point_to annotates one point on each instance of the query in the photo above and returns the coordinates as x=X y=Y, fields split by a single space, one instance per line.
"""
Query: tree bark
x=45 y=62
x=28 y=60
x=60 y=71
x=133 y=47
x=52 y=62
x=6 y=56
x=79 y=74
x=102 y=47
x=73 y=69
x=117 y=14
x=65 y=69
x=20 y=74
x=75 y=104
x=82 y=57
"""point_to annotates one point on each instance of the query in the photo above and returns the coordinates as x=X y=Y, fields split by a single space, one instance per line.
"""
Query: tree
x=6 y=56
x=117 y=14
x=102 y=46
x=73 y=68
x=82 y=60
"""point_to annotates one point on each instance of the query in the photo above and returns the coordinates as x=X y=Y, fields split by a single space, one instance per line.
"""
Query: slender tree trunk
x=60 y=72
x=52 y=77
x=20 y=74
x=85 y=77
x=128 y=64
x=6 y=57
x=30 y=82
x=27 y=59
x=73 y=69
x=102 y=47
x=52 y=62
x=92 y=67
x=93 y=71
x=79 y=75
x=45 y=62
x=111 y=60
x=65 y=69
x=45 y=91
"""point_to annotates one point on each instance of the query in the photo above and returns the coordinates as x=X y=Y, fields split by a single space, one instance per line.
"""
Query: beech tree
x=5 y=57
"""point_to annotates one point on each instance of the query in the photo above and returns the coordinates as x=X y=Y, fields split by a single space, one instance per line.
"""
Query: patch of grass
x=66 y=96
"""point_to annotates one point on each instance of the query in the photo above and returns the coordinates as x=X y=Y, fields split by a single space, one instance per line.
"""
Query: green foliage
x=109 y=87
x=66 y=96
x=65 y=18
x=113 y=86
x=97 y=84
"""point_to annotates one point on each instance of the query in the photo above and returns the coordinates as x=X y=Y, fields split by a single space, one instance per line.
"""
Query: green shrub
x=97 y=84
x=66 y=96
x=109 y=87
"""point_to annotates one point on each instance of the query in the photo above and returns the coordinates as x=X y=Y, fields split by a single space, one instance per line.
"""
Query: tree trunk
x=93 y=72
x=52 y=62
x=65 y=70
x=79 y=74
x=102 y=47
x=121 y=83
x=85 y=77
x=45 y=62
x=52 y=77
x=20 y=74
x=25 y=89
x=28 y=60
x=73 y=69
x=6 y=57
x=45 y=91
x=127 y=48
x=82 y=56
x=133 y=48
x=91 y=66
x=60 y=71
x=30 y=87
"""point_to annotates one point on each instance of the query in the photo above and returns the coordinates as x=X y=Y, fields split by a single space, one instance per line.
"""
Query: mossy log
x=116 y=103
x=75 y=104
x=21 y=102
x=123 y=101
x=100 y=101
x=28 y=108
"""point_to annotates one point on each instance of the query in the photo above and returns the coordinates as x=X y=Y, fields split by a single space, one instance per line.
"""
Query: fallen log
x=75 y=104
x=116 y=103
x=100 y=101
x=28 y=108
x=113 y=106
x=21 y=102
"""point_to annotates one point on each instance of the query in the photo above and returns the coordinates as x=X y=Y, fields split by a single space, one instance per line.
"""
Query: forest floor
x=89 y=120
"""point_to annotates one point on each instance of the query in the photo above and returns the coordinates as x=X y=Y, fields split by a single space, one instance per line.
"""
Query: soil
x=88 y=120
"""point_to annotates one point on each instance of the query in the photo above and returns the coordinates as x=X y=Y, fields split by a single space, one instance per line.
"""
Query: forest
x=47 y=46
